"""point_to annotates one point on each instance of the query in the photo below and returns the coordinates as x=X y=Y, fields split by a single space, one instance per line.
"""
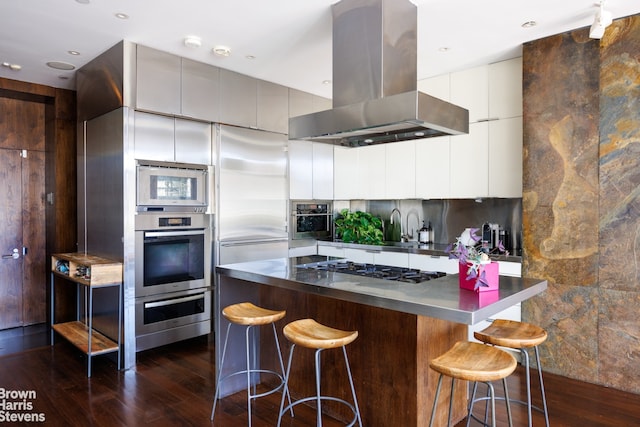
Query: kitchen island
x=401 y=327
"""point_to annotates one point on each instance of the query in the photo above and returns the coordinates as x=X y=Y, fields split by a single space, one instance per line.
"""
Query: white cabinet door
x=359 y=255
x=470 y=163
x=432 y=168
x=303 y=251
x=300 y=171
x=371 y=171
x=400 y=170
x=438 y=86
x=470 y=90
x=395 y=259
x=505 y=89
x=322 y=169
x=345 y=173
x=433 y=263
x=505 y=157
x=334 y=251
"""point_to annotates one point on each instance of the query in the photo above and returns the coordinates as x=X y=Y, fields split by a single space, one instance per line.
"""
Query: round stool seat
x=245 y=313
x=512 y=334
x=472 y=361
x=311 y=334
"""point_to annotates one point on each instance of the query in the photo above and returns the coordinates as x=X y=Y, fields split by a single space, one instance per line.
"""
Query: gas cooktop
x=386 y=272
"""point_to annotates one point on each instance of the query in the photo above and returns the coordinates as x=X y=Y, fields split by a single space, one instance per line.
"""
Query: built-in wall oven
x=311 y=220
x=173 y=277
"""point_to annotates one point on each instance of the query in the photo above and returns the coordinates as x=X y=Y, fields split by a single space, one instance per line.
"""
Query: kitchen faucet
x=391 y=221
x=409 y=235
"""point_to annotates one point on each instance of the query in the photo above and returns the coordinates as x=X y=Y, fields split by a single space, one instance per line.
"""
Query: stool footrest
x=258 y=371
x=323 y=398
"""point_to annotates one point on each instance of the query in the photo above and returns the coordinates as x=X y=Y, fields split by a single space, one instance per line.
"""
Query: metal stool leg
x=506 y=399
x=353 y=389
x=435 y=401
x=224 y=351
x=544 y=397
x=249 y=367
x=286 y=388
x=525 y=357
x=318 y=400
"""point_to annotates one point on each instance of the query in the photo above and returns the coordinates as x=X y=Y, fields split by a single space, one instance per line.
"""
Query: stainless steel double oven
x=173 y=277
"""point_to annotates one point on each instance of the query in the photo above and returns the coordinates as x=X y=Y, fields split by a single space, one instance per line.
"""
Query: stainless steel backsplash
x=448 y=217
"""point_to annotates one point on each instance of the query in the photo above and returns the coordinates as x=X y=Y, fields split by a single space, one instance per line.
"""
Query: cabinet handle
x=172 y=301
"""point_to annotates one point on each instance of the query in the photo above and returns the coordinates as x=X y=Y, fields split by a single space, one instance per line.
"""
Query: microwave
x=311 y=220
x=166 y=186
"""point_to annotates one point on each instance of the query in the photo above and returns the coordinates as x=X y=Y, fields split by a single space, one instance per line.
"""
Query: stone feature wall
x=581 y=201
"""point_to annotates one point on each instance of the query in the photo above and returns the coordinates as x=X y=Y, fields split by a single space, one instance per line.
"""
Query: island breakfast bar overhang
x=401 y=327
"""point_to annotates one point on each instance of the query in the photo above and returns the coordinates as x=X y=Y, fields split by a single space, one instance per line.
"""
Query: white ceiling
x=290 y=39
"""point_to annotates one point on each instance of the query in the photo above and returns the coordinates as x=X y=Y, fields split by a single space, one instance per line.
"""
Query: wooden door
x=10 y=239
x=23 y=279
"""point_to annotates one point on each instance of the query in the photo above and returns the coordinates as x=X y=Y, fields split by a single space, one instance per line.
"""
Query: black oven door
x=171 y=261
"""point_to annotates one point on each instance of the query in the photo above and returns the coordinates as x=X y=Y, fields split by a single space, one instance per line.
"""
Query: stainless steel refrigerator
x=252 y=195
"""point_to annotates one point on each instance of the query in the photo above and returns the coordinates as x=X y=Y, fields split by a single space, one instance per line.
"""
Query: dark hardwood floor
x=174 y=385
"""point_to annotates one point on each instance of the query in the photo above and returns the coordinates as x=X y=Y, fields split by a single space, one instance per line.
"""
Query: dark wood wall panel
x=41 y=119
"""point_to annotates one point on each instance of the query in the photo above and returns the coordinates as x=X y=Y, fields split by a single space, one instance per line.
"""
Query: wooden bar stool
x=248 y=315
x=311 y=334
x=472 y=361
x=520 y=336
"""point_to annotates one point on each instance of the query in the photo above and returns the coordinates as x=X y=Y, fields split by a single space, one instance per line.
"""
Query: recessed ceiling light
x=73 y=52
x=326 y=82
x=250 y=57
x=192 y=41
x=83 y=1
x=61 y=65
x=221 y=51
x=120 y=15
x=444 y=49
x=529 y=24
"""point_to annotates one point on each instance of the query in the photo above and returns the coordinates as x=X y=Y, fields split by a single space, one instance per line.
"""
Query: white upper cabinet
x=469 y=163
x=470 y=90
x=505 y=157
x=432 y=168
x=438 y=86
x=322 y=167
x=371 y=171
x=505 y=89
x=300 y=171
x=400 y=170
x=310 y=170
x=345 y=173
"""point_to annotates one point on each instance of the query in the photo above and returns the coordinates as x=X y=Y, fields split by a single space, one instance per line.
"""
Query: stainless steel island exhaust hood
x=375 y=96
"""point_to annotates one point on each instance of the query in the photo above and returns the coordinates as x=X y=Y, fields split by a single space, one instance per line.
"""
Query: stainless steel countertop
x=440 y=298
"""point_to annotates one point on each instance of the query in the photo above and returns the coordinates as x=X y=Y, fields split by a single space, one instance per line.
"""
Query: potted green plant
x=477 y=271
x=359 y=227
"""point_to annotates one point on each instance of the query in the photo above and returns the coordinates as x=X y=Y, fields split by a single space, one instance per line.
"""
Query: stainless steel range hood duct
x=375 y=96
